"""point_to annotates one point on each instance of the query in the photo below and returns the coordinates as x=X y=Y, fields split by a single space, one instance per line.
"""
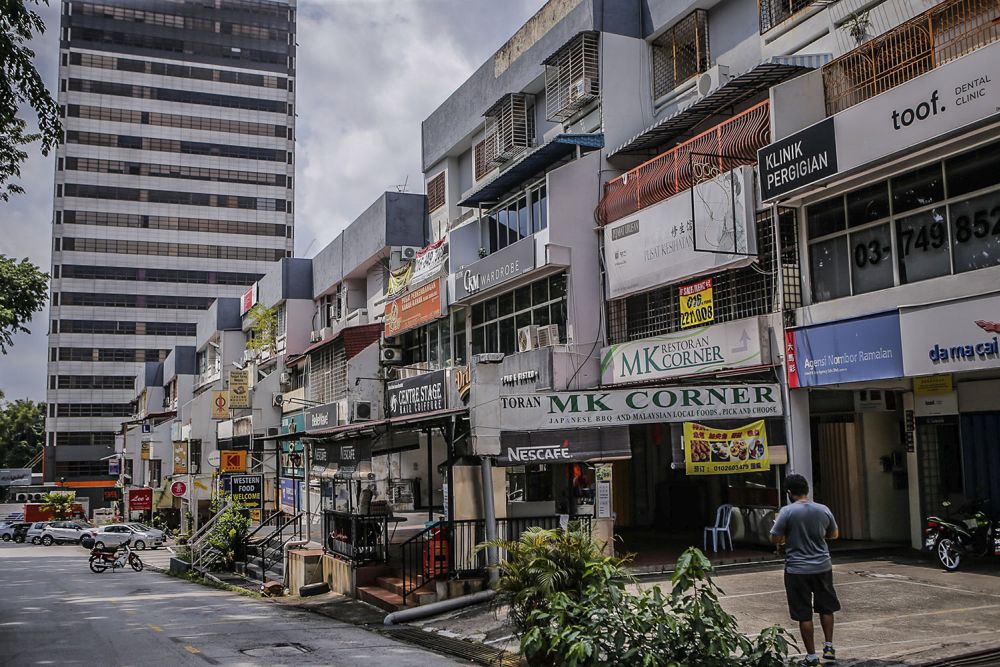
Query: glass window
x=868 y=204
x=973 y=171
x=491 y=311
x=828 y=263
x=505 y=304
x=540 y=291
x=508 y=335
x=557 y=286
x=918 y=188
x=872 y=254
x=491 y=337
x=923 y=246
x=522 y=297
x=975 y=232
x=501 y=229
x=826 y=217
x=522 y=218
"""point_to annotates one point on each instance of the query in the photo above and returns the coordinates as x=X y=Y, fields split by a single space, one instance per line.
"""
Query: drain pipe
x=425 y=610
x=492 y=560
x=289 y=545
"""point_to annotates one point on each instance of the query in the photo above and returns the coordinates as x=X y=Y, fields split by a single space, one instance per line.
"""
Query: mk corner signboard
x=944 y=99
x=951 y=337
x=685 y=236
x=594 y=408
x=688 y=352
x=500 y=267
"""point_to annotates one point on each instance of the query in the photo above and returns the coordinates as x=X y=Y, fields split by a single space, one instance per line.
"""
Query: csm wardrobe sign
x=947 y=98
x=500 y=267
x=951 y=337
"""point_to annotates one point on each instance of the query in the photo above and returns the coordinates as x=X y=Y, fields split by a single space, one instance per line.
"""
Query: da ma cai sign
x=588 y=409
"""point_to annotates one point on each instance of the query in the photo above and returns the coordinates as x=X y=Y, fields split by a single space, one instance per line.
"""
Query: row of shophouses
x=669 y=252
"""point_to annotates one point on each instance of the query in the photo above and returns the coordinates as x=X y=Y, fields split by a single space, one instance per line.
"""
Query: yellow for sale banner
x=697 y=304
x=717 y=451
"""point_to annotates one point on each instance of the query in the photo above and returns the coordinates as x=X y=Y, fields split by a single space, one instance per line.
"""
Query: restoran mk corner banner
x=593 y=408
x=684 y=236
x=717 y=451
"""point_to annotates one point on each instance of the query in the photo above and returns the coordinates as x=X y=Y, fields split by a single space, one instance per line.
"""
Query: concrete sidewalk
x=898 y=611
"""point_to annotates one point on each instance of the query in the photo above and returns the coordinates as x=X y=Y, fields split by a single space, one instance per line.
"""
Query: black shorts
x=809 y=592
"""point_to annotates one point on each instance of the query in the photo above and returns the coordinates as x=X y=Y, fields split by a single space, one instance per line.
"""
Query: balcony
x=210 y=375
x=940 y=35
x=775 y=12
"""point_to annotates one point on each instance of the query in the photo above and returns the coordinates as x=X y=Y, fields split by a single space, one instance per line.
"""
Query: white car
x=61 y=531
x=116 y=534
x=35 y=532
x=6 y=531
x=156 y=535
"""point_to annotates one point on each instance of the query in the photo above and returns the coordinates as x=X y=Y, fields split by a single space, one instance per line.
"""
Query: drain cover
x=276 y=650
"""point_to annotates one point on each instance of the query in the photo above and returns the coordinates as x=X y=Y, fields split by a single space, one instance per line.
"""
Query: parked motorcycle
x=102 y=559
x=971 y=533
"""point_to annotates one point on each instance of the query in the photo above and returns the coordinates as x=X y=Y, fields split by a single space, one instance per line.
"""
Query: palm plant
x=59 y=504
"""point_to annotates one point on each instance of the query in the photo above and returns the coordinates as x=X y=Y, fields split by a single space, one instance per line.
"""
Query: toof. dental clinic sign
x=946 y=98
x=688 y=352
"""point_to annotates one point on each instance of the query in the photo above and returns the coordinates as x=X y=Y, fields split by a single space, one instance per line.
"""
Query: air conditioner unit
x=22 y=497
x=285 y=378
x=580 y=88
x=315 y=336
x=326 y=332
x=548 y=335
x=527 y=338
x=334 y=312
x=390 y=341
x=271 y=432
x=342 y=411
x=277 y=400
x=359 y=316
x=248 y=356
x=408 y=252
x=712 y=80
x=391 y=355
x=361 y=411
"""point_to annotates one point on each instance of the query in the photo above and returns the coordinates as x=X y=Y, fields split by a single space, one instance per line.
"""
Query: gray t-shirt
x=805 y=526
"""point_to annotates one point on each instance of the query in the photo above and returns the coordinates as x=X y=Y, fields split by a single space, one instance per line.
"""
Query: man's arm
x=832 y=530
x=777 y=535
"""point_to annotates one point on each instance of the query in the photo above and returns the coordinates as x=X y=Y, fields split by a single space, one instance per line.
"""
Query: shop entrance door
x=981 y=458
x=939 y=459
x=839 y=476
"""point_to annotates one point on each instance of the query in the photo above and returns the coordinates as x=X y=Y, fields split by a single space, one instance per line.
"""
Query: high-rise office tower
x=174 y=186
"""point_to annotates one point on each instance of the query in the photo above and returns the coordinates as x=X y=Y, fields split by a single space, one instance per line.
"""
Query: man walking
x=803 y=527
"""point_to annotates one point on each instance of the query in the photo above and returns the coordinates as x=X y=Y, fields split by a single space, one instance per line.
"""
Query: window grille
x=482 y=166
x=773 y=12
x=328 y=373
x=680 y=53
x=511 y=126
x=436 y=192
x=746 y=292
x=943 y=33
x=572 y=77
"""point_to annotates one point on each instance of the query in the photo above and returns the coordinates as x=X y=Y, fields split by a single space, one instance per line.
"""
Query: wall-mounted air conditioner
x=712 y=80
x=326 y=332
x=315 y=336
x=271 y=432
x=361 y=411
x=285 y=378
x=527 y=338
x=548 y=335
x=277 y=400
x=582 y=87
x=391 y=355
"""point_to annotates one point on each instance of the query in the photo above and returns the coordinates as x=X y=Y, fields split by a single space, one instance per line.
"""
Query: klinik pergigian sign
x=588 y=409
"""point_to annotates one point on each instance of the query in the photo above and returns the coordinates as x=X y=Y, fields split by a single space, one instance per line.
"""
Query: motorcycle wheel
x=947 y=554
x=135 y=563
x=97 y=566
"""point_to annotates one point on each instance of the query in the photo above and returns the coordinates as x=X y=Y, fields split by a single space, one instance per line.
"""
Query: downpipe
x=425 y=610
x=289 y=545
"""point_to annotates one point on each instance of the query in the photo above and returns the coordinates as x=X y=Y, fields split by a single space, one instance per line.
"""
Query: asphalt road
x=54 y=610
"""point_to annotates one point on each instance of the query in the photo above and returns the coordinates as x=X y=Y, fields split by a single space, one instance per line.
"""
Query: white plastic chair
x=720 y=530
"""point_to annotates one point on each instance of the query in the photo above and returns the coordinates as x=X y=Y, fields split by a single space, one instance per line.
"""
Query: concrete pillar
x=913 y=476
x=799 y=442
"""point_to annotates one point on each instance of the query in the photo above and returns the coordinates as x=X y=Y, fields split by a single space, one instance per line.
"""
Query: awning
x=565 y=446
x=738 y=89
x=530 y=163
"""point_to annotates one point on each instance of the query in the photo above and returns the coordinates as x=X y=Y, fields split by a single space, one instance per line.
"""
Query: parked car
x=116 y=534
x=62 y=531
x=6 y=531
x=35 y=532
x=21 y=531
x=155 y=536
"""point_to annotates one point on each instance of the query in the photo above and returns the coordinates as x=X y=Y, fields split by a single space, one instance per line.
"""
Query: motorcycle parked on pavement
x=972 y=533
x=115 y=557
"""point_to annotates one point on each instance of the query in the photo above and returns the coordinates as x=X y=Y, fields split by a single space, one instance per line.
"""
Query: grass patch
x=196 y=578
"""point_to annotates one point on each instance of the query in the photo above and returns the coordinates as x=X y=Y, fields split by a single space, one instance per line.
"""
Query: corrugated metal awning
x=531 y=163
x=738 y=89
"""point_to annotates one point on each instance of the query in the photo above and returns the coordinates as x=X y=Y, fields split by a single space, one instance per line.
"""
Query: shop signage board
x=321 y=417
x=293 y=423
x=716 y=451
x=15 y=477
x=113 y=495
x=697 y=304
x=500 y=267
x=933 y=384
x=178 y=489
x=663 y=243
x=145 y=450
x=239 y=389
x=711 y=348
x=233 y=461
x=248 y=300
x=180 y=457
x=595 y=408
x=951 y=337
x=416 y=395
x=247 y=490
x=114 y=467
x=564 y=446
x=426 y=265
x=291 y=500
x=220 y=404
x=292 y=459
x=413 y=309
x=944 y=99
x=140 y=499
x=866 y=348
x=341 y=453
x=399 y=279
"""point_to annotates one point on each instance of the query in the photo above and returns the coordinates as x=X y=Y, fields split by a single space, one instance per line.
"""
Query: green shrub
x=571 y=607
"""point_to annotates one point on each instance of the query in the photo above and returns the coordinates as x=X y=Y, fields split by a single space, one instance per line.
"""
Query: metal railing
x=774 y=12
x=201 y=553
x=360 y=538
x=940 y=35
x=671 y=173
x=269 y=546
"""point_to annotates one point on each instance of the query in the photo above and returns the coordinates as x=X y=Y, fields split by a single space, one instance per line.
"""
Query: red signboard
x=249 y=299
x=140 y=500
x=178 y=489
x=791 y=362
x=413 y=309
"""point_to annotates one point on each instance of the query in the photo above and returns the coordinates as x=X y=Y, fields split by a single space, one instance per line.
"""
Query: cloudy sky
x=369 y=72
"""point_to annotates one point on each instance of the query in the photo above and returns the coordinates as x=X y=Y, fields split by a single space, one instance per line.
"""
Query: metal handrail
x=196 y=541
x=271 y=520
x=265 y=546
x=359 y=538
